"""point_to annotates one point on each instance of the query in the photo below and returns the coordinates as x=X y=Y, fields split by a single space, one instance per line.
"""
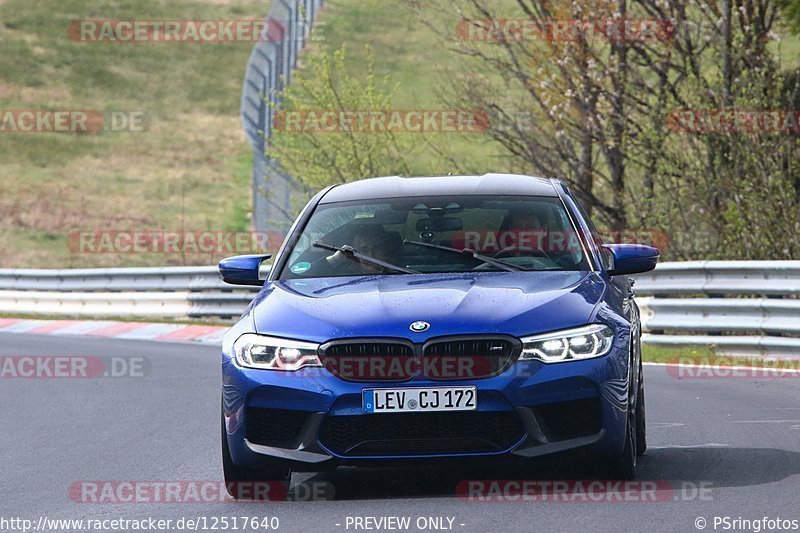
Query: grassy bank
x=188 y=171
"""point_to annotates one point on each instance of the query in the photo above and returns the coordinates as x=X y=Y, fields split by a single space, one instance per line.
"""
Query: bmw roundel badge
x=419 y=326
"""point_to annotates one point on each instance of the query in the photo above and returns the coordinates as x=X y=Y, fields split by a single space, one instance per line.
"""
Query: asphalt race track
x=725 y=446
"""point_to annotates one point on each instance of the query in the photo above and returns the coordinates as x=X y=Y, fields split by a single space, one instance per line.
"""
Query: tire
x=624 y=465
x=641 y=418
x=238 y=478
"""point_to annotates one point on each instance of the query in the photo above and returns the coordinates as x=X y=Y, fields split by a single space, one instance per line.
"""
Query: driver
x=522 y=231
x=532 y=235
x=523 y=219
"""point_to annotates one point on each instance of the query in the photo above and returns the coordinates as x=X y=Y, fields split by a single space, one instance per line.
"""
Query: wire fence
x=268 y=71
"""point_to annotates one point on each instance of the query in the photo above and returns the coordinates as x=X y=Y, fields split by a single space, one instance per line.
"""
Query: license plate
x=420 y=400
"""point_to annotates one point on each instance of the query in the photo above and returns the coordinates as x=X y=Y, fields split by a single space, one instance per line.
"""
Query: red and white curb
x=115 y=330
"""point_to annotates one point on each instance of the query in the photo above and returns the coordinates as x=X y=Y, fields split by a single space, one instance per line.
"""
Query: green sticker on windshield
x=300 y=268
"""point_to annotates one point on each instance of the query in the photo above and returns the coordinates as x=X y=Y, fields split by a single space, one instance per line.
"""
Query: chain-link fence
x=268 y=71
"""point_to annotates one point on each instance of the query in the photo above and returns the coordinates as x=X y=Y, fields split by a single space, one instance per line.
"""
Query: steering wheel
x=505 y=252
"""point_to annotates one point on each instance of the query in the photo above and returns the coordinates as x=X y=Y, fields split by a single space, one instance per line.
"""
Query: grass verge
x=190 y=169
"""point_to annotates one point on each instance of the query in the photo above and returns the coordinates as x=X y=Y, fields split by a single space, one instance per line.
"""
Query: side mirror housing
x=631 y=258
x=243 y=269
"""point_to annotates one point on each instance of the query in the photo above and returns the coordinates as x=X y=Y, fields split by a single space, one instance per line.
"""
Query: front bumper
x=557 y=407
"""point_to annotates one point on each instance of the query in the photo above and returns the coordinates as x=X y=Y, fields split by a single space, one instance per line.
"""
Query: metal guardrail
x=113 y=279
x=173 y=292
x=756 y=316
x=739 y=307
x=126 y=304
x=268 y=70
x=714 y=278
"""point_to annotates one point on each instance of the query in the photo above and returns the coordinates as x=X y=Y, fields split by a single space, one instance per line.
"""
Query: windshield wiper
x=502 y=265
x=354 y=255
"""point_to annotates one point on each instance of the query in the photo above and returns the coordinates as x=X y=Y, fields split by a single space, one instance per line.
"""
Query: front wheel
x=239 y=480
x=624 y=466
x=641 y=419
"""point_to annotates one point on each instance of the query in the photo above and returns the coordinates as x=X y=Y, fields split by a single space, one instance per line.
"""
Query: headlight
x=589 y=341
x=271 y=353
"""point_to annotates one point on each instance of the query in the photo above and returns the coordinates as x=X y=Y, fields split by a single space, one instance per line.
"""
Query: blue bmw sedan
x=409 y=319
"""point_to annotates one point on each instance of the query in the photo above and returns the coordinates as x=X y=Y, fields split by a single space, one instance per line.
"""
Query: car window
x=532 y=233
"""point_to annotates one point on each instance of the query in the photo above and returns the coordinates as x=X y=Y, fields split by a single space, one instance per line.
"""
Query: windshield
x=436 y=234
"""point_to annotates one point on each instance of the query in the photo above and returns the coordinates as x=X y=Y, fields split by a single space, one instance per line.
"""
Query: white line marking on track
x=764 y=421
x=681 y=446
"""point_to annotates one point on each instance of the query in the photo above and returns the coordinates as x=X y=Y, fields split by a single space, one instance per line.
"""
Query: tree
x=791 y=11
x=598 y=93
x=311 y=139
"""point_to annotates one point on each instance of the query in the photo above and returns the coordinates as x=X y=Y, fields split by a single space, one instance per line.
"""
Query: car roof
x=400 y=187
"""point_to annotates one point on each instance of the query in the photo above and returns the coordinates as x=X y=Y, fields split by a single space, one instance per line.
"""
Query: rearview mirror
x=243 y=269
x=631 y=258
x=440 y=224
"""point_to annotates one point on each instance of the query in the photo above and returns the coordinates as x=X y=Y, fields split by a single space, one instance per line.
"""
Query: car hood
x=514 y=303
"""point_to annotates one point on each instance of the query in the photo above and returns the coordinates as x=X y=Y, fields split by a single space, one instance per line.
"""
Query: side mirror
x=243 y=269
x=631 y=258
